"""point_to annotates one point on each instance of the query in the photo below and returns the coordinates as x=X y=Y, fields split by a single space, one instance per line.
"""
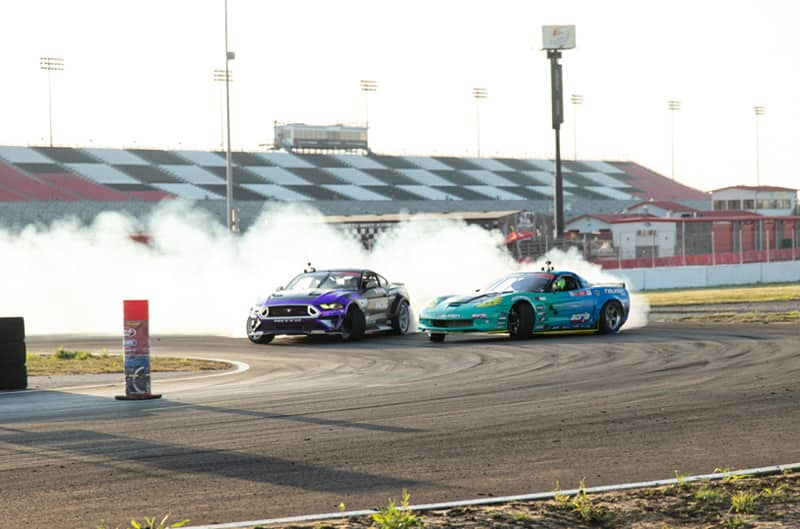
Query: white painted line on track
x=502 y=499
x=240 y=367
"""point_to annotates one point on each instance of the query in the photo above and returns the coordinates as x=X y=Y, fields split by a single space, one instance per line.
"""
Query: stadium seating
x=119 y=175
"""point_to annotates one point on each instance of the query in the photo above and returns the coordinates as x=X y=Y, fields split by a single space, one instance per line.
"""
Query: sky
x=140 y=74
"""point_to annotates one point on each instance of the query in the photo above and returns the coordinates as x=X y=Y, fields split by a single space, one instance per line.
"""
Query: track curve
x=314 y=423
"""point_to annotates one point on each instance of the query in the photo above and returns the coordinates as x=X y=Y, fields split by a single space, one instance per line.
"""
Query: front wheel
x=255 y=336
x=520 y=321
x=437 y=337
x=354 y=325
x=611 y=317
x=402 y=321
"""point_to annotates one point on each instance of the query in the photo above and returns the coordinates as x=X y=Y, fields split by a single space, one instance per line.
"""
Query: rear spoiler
x=621 y=284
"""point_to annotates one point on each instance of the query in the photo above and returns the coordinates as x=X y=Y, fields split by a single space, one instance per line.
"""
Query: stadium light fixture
x=759 y=111
x=478 y=94
x=367 y=86
x=673 y=106
x=555 y=39
x=222 y=76
x=230 y=213
x=575 y=99
x=51 y=64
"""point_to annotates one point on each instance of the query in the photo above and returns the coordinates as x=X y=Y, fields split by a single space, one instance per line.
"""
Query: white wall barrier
x=709 y=276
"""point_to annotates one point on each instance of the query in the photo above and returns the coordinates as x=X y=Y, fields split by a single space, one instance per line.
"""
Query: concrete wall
x=709 y=276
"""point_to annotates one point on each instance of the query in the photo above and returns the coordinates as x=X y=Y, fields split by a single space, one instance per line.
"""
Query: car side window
x=382 y=281
x=571 y=283
x=370 y=281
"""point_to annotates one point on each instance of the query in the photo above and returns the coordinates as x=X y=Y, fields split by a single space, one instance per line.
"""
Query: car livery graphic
x=526 y=303
x=344 y=302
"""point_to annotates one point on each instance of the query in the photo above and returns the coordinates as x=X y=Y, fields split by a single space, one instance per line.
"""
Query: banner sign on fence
x=136 y=346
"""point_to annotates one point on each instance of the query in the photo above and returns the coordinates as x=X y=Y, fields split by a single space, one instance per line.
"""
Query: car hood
x=286 y=297
x=469 y=299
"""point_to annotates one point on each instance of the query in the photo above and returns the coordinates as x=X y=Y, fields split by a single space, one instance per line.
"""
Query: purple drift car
x=340 y=302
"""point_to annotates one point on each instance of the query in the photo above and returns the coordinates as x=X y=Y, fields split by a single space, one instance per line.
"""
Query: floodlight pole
x=558 y=119
x=673 y=106
x=233 y=221
x=367 y=86
x=222 y=76
x=478 y=94
x=759 y=111
x=51 y=64
x=575 y=99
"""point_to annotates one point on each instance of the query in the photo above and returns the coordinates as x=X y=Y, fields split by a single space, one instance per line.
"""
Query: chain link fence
x=677 y=243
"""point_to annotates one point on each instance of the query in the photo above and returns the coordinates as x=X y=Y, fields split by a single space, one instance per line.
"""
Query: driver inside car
x=559 y=285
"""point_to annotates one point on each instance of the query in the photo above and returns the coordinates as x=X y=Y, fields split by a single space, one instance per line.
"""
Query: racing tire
x=437 y=337
x=611 y=318
x=354 y=325
x=401 y=322
x=12 y=329
x=12 y=354
x=263 y=339
x=14 y=378
x=520 y=321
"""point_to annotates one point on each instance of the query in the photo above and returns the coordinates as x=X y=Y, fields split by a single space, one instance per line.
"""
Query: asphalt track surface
x=314 y=423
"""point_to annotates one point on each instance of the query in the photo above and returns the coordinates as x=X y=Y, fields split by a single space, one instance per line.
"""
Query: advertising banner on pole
x=136 y=346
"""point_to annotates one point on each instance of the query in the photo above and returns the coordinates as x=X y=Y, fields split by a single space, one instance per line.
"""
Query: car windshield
x=328 y=280
x=520 y=283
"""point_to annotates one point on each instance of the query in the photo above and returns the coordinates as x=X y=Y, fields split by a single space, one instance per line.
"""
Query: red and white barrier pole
x=136 y=344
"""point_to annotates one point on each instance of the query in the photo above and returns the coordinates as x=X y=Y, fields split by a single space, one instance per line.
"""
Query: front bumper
x=327 y=322
x=448 y=323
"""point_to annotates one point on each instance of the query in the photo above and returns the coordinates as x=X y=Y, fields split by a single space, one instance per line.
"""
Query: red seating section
x=655 y=185
x=84 y=188
x=25 y=186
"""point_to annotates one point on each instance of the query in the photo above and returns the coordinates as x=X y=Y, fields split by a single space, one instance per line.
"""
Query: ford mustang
x=526 y=303
x=347 y=303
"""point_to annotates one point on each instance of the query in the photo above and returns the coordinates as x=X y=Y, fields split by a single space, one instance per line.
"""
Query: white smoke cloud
x=67 y=278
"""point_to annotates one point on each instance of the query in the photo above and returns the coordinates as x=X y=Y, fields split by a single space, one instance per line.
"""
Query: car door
x=377 y=298
x=571 y=306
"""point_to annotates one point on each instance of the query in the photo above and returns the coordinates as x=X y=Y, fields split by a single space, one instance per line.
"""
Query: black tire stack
x=13 y=373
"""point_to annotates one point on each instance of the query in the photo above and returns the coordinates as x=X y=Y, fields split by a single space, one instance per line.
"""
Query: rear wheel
x=437 y=337
x=257 y=336
x=401 y=323
x=611 y=317
x=354 y=324
x=520 y=321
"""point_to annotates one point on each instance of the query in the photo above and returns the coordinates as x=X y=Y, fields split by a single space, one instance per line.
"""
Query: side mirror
x=280 y=287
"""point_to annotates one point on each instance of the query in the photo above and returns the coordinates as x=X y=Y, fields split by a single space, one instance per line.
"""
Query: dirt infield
x=759 y=503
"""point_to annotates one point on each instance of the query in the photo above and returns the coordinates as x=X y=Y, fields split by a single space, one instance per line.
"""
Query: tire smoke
x=68 y=278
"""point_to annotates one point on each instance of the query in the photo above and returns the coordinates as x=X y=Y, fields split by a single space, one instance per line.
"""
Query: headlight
x=331 y=306
x=490 y=302
x=259 y=309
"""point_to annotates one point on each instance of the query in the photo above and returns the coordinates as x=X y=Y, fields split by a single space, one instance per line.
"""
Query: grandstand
x=39 y=184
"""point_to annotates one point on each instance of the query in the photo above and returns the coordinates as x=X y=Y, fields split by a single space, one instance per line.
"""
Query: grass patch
x=69 y=362
x=709 y=495
x=746 y=317
x=772 y=292
x=394 y=517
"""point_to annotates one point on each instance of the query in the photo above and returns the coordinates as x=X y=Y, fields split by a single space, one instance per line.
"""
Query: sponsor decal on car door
x=377 y=299
x=573 y=308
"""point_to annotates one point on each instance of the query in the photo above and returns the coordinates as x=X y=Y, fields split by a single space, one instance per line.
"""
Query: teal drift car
x=526 y=303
